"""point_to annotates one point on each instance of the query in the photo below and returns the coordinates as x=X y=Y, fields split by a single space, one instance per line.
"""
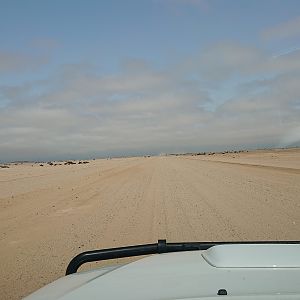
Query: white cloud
x=288 y=29
x=225 y=60
x=16 y=62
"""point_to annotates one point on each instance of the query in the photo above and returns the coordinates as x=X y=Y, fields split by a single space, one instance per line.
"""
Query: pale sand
x=49 y=214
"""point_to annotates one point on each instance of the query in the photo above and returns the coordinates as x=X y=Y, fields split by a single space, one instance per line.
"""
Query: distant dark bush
x=70 y=163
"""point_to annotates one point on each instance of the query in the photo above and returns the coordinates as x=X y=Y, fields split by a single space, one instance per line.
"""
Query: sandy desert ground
x=49 y=214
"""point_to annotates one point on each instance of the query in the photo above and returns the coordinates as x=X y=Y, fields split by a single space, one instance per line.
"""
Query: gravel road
x=49 y=214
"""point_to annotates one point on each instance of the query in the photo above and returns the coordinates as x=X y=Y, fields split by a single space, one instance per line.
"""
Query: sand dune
x=49 y=214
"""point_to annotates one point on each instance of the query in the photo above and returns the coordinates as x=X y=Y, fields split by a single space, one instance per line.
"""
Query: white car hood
x=244 y=271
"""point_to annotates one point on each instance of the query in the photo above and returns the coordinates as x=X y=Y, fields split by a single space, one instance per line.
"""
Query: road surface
x=49 y=214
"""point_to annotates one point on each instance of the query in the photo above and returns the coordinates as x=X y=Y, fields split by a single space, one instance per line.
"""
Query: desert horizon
x=89 y=158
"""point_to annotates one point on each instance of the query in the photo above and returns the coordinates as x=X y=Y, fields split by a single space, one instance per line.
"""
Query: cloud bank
x=227 y=96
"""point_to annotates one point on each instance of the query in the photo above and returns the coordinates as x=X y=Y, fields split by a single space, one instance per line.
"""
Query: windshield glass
x=125 y=122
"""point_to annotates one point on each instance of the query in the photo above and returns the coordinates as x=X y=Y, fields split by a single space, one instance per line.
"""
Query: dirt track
x=49 y=214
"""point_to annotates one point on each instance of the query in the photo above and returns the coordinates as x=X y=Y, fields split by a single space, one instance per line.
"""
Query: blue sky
x=95 y=78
